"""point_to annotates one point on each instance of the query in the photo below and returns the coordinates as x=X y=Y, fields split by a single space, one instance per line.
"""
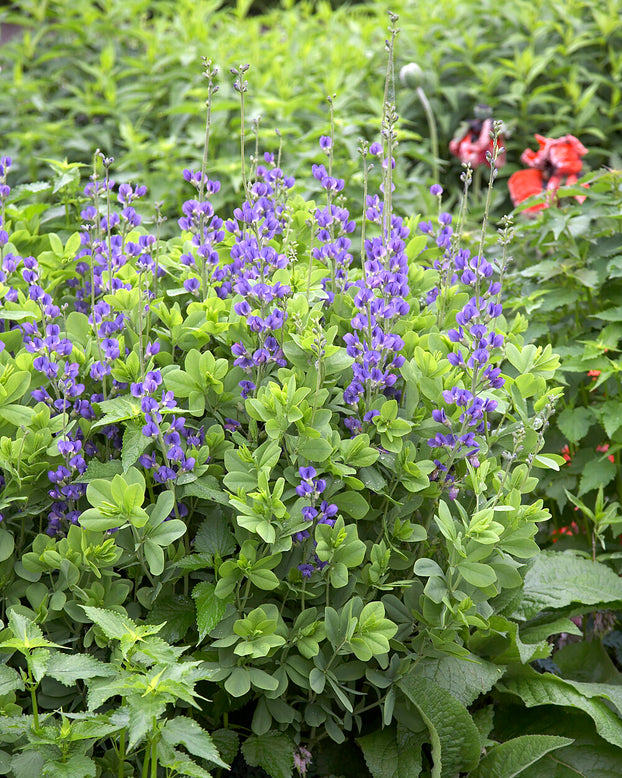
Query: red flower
x=565 y=452
x=556 y=162
x=474 y=142
x=593 y=374
x=603 y=448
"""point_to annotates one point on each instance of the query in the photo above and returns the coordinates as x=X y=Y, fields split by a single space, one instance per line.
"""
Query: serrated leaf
x=274 y=752
x=186 y=732
x=112 y=624
x=509 y=759
x=68 y=668
x=210 y=609
x=214 y=537
x=453 y=734
x=10 y=680
x=556 y=580
x=177 y=611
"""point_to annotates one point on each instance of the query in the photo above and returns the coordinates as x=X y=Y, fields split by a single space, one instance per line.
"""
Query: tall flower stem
x=429 y=115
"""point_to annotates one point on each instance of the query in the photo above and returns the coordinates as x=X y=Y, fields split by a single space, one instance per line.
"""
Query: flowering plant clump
x=255 y=471
x=556 y=163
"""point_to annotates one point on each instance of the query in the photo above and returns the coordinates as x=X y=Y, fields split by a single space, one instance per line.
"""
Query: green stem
x=145 y=772
x=33 y=699
x=121 y=754
x=154 y=754
x=429 y=114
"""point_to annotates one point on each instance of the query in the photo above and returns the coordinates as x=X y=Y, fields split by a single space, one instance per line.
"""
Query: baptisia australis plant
x=309 y=465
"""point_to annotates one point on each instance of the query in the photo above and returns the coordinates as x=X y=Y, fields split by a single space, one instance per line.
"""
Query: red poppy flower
x=557 y=162
x=471 y=146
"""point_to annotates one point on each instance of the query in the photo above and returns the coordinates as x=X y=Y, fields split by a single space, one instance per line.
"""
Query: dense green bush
x=273 y=476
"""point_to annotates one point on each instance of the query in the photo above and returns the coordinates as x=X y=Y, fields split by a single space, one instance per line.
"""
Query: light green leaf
x=134 y=444
x=112 y=624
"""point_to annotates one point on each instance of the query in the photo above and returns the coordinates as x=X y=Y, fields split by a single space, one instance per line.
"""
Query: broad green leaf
x=507 y=760
x=9 y=680
x=168 y=532
x=7 y=544
x=465 y=678
x=210 y=609
x=556 y=580
x=352 y=503
x=215 y=537
x=186 y=732
x=393 y=752
x=596 y=473
x=274 y=752
x=177 y=611
x=546 y=689
x=453 y=734
x=134 y=444
x=575 y=422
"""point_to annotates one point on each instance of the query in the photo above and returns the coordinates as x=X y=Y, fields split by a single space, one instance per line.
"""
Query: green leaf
x=68 y=668
x=177 y=611
x=393 y=752
x=210 y=609
x=134 y=444
x=7 y=544
x=509 y=759
x=477 y=574
x=315 y=449
x=113 y=625
x=463 y=677
x=596 y=473
x=168 y=532
x=215 y=537
x=154 y=556
x=546 y=689
x=352 y=503
x=454 y=736
x=575 y=422
x=17 y=415
x=274 y=752
x=556 y=580
x=9 y=680
x=97 y=470
x=186 y=732
x=76 y=765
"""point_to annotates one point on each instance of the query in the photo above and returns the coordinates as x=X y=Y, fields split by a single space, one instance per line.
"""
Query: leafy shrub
x=567 y=281
x=249 y=458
